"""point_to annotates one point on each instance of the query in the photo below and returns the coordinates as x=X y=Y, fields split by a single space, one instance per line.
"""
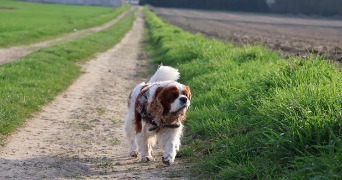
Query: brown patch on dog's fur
x=137 y=119
x=166 y=98
x=129 y=99
x=186 y=91
x=175 y=117
x=161 y=102
x=156 y=108
x=142 y=87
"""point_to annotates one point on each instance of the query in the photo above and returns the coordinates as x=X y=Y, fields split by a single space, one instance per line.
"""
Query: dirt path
x=79 y=134
x=17 y=52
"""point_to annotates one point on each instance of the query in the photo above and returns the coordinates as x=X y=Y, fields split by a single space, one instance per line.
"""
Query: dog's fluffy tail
x=165 y=73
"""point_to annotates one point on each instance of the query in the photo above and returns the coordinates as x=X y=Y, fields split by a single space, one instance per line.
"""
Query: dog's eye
x=173 y=97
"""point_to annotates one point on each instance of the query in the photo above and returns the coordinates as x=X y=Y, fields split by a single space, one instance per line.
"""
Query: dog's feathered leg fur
x=170 y=144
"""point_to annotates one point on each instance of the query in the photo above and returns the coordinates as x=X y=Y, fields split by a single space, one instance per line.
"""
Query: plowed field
x=294 y=35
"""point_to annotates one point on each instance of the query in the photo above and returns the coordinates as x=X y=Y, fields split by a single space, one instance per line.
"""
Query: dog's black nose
x=183 y=99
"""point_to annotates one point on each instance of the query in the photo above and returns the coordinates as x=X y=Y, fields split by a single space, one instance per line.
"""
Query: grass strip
x=30 y=22
x=30 y=82
x=254 y=114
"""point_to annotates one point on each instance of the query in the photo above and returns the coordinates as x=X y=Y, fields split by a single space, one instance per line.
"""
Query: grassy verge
x=26 y=22
x=35 y=80
x=254 y=115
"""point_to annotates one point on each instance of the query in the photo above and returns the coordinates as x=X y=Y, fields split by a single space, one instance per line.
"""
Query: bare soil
x=17 y=52
x=290 y=34
x=80 y=134
x=7 y=8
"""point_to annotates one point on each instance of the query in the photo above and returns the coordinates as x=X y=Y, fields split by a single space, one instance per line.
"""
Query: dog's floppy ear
x=187 y=92
x=156 y=108
x=189 y=95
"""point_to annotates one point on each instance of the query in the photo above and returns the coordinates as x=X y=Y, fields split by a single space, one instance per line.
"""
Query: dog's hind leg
x=130 y=132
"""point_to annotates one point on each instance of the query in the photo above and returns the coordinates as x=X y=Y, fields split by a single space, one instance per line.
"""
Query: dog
x=156 y=110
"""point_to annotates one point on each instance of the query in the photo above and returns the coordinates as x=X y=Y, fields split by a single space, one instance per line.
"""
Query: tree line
x=308 y=7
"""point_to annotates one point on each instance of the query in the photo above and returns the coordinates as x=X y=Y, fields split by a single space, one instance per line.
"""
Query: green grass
x=254 y=114
x=33 y=22
x=30 y=82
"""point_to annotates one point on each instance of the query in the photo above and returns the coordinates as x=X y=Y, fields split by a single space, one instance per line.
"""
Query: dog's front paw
x=134 y=153
x=168 y=160
x=146 y=159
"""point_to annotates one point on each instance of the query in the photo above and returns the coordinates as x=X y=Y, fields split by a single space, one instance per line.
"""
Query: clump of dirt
x=7 y=8
x=142 y=56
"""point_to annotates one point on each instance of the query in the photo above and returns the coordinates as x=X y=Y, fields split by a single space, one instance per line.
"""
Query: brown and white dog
x=156 y=110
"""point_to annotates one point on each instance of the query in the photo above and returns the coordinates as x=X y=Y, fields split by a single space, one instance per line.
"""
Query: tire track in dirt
x=17 y=52
x=80 y=134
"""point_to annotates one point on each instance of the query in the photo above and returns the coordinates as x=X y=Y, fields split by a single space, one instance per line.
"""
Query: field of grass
x=30 y=22
x=30 y=82
x=254 y=114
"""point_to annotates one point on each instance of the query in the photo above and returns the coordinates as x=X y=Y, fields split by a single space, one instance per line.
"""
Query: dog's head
x=172 y=99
